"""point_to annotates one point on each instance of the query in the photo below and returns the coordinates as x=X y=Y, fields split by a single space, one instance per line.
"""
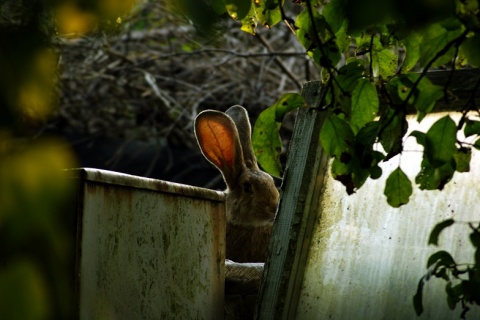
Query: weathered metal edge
x=127 y=180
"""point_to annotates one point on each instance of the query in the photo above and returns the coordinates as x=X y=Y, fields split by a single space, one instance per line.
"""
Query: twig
x=279 y=62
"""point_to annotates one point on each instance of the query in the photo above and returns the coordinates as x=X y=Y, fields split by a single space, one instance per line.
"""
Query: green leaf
x=335 y=17
x=268 y=12
x=412 y=51
x=476 y=144
x=440 y=142
x=312 y=40
x=420 y=136
x=462 y=159
x=424 y=97
x=432 y=178
x=288 y=102
x=367 y=136
x=266 y=142
x=436 y=37
x=249 y=22
x=433 y=239
x=471 y=128
x=440 y=259
x=305 y=32
x=392 y=136
x=417 y=298
x=336 y=137
x=375 y=172
x=364 y=104
x=238 y=9
x=350 y=173
x=398 y=188
x=428 y=94
x=384 y=63
x=347 y=79
x=334 y=14
x=470 y=48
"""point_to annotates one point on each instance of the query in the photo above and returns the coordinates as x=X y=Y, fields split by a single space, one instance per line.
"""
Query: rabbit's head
x=225 y=140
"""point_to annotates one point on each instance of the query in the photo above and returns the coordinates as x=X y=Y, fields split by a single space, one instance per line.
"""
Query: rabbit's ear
x=218 y=139
x=240 y=117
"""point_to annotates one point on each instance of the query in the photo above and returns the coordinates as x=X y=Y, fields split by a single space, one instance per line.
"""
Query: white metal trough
x=148 y=249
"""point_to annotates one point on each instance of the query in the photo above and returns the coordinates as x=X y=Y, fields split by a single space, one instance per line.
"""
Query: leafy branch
x=369 y=90
x=462 y=280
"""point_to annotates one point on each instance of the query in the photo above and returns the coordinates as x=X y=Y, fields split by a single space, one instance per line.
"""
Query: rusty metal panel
x=149 y=249
x=366 y=258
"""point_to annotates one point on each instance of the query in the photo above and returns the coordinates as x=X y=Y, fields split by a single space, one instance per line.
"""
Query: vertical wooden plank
x=303 y=182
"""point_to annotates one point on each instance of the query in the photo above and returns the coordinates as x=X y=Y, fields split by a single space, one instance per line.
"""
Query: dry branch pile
x=149 y=84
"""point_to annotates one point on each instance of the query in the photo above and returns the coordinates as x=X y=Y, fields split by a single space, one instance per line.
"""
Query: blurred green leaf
x=433 y=239
x=398 y=188
x=23 y=292
x=218 y=6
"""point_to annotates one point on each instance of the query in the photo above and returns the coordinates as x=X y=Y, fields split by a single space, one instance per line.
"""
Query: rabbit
x=251 y=195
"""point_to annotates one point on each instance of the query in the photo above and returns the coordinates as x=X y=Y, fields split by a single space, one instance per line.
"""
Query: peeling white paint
x=366 y=258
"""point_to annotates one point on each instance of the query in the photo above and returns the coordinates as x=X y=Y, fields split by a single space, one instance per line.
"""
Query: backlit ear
x=240 y=116
x=218 y=139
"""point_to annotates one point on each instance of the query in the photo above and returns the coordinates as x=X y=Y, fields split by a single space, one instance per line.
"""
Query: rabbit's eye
x=247 y=187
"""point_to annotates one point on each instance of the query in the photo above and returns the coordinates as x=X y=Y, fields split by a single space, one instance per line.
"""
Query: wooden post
x=303 y=183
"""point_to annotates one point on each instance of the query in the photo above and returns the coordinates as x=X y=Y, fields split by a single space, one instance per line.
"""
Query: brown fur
x=251 y=195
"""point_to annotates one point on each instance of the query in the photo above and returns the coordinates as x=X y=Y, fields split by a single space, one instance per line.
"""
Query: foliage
x=369 y=54
x=36 y=236
x=462 y=279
